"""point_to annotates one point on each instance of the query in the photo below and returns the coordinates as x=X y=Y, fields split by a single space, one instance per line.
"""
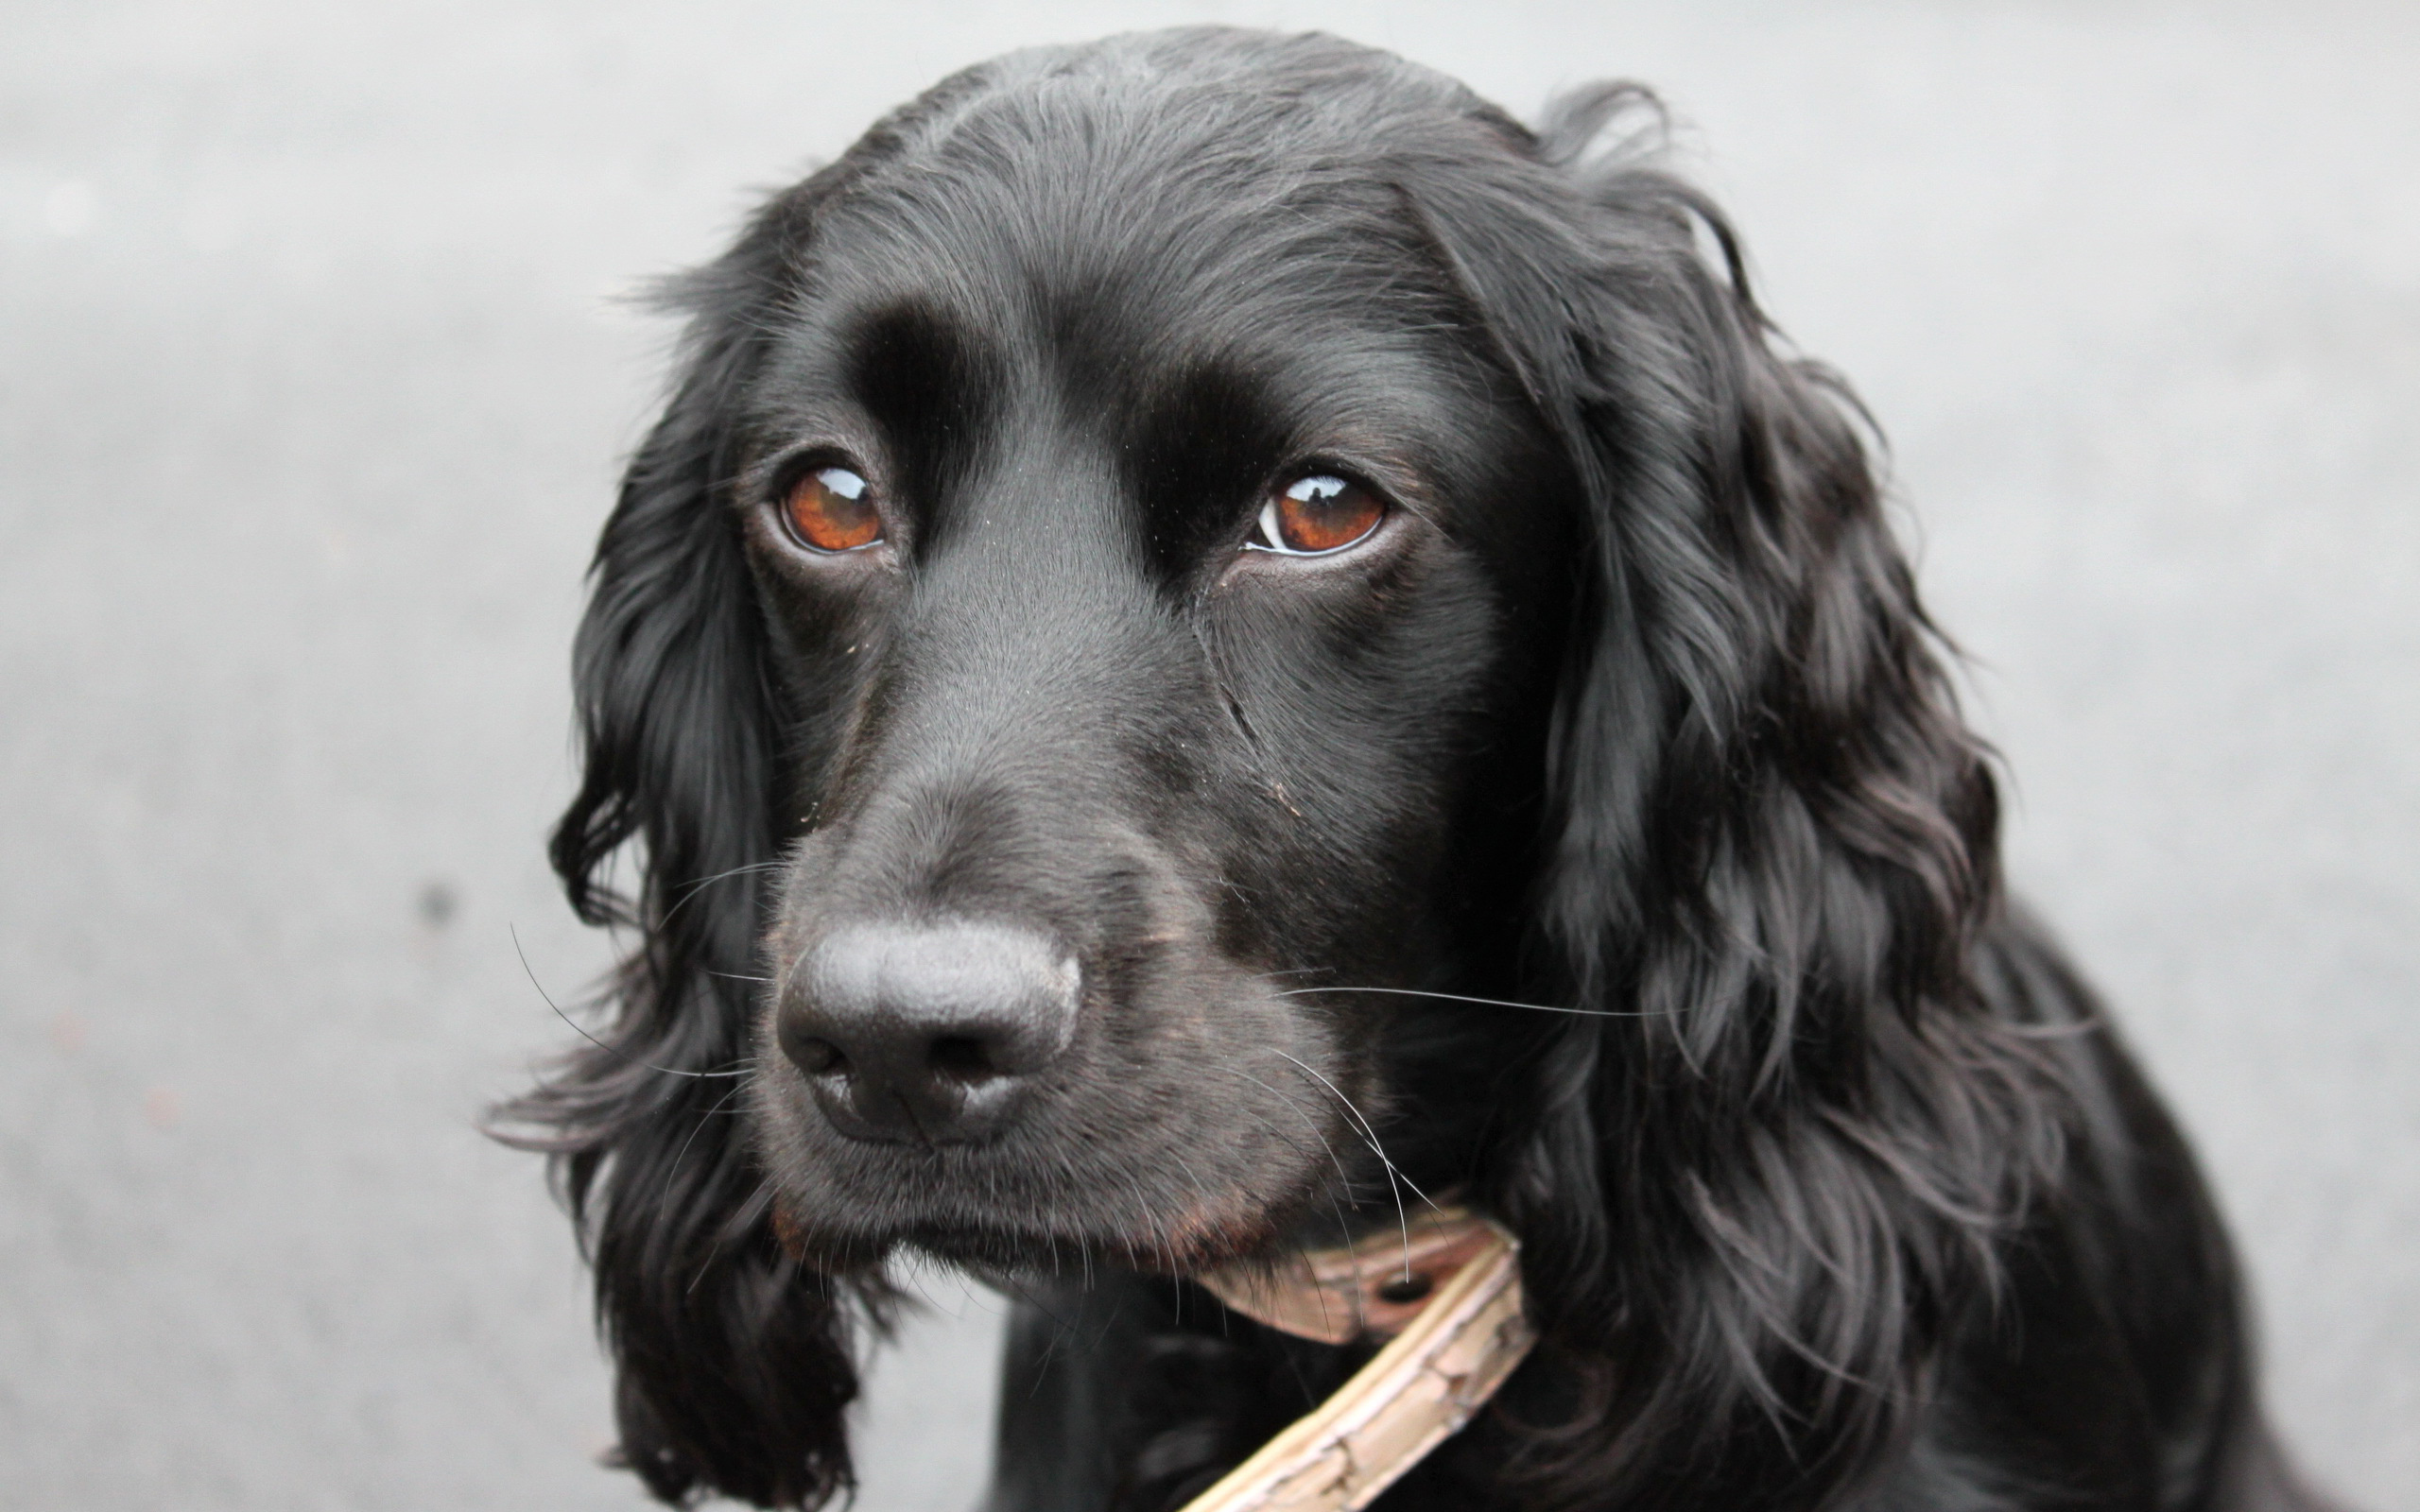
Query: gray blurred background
x=314 y=379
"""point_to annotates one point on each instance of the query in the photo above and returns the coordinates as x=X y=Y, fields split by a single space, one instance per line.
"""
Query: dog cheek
x=1360 y=718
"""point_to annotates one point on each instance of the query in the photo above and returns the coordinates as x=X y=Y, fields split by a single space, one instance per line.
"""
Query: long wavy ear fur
x=735 y=1365
x=1753 y=1189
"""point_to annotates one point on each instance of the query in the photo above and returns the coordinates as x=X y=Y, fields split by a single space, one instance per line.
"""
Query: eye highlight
x=831 y=509
x=1315 y=515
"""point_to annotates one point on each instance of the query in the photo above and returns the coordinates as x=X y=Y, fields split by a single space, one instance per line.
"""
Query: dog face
x=1145 y=589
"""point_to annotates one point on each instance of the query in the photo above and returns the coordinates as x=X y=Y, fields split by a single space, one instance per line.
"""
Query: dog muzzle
x=1444 y=1291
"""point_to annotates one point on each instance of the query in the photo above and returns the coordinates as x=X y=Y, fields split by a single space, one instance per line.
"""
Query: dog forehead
x=1143 y=202
x=1122 y=270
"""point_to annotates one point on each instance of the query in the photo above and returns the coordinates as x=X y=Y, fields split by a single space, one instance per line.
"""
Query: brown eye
x=1313 y=516
x=832 y=509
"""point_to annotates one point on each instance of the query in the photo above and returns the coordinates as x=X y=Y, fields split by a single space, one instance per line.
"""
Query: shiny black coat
x=1599 y=838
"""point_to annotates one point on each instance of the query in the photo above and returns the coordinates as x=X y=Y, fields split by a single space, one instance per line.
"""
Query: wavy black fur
x=1839 y=1193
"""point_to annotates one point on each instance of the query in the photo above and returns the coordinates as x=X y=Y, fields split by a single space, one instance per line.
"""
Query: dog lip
x=934 y=1199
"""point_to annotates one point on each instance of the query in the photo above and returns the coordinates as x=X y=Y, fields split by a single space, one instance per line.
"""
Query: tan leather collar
x=1447 y=1287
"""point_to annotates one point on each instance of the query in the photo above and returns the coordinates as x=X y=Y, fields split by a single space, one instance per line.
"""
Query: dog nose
x=926 y=1034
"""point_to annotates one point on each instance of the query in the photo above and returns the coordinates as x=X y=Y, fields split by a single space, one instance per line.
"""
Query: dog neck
x=1444 y=1291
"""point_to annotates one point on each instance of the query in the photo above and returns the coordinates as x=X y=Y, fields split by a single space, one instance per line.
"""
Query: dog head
x=1160 y=556
x=1145 y=545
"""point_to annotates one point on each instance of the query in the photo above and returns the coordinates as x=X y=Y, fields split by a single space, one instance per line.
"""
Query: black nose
x=926 y=1034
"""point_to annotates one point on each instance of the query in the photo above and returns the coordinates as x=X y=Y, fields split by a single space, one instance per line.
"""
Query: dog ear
x=734 y=1362
x=1754 y=1182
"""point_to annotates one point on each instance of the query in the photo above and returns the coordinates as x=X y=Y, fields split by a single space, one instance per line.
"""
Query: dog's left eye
x=831 y=509
x=1313 y=516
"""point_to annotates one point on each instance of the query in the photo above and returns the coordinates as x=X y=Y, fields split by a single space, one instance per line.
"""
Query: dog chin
x=1012 y=1254
x=1183 y=1245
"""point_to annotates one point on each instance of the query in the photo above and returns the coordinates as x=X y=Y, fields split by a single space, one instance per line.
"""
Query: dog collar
x=1444 y=1291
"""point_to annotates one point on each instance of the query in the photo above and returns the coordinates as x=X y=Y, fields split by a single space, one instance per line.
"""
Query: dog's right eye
x=831 y=509
x=1315 y=516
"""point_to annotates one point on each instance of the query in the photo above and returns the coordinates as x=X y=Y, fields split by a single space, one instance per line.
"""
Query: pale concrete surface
x=312 y=388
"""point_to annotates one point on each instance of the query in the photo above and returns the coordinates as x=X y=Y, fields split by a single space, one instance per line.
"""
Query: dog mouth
x=1044 y=1197
x=1187 y=1243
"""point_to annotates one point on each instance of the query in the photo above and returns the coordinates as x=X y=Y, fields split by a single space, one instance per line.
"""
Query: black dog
x=1210 y=605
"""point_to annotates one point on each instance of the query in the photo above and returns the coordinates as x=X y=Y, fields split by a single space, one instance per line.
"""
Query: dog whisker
x=610 y=1050
x=1344 y=1177
x=1491 y=1003
x=702 y=882
x=673 y=1167
x=1369 y=1135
